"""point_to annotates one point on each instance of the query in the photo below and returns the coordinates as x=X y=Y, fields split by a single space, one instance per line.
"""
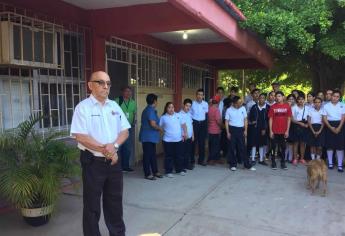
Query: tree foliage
x=306 y=36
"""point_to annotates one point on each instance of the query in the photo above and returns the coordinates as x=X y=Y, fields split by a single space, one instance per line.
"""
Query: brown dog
x=317 y=172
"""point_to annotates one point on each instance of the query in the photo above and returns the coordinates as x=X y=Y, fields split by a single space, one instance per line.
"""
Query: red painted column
x=98 y=52
x=178 y=85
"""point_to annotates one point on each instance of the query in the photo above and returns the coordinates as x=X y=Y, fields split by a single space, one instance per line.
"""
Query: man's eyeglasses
x=102 y=82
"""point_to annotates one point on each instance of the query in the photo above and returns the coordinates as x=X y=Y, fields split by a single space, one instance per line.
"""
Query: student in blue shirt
x=149 y=137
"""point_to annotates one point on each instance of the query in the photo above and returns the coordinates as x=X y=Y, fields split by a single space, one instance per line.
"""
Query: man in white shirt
x=100 y=127
x=236 y=125
x=199 y=112
x=249 y=97
x=255 y=97
x=187 y=144
x=220 y=93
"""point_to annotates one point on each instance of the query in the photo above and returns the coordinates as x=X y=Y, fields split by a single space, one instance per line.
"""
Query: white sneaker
x=252 y=169
x=233 y=168
x=182 y=173
x=169 y=175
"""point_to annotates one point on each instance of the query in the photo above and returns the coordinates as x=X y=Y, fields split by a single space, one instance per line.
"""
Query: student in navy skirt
x=258 y=129
x=334 y=118
x=315 y=137
x=289 y=143
x=300 y=129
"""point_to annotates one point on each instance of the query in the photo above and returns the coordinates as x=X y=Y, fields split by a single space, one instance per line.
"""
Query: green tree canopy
x=306 y=36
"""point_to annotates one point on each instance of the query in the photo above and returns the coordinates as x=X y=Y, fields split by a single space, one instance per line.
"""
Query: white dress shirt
x=101 y=122
x=299 y=113
x=187 y=118
x=236 y=116
x=334 y=112
x=199 y=110
x=171 y=125
x=249 y=105
x=315 y=116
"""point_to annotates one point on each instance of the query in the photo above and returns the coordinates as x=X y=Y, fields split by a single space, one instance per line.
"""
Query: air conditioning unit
x=29 y=42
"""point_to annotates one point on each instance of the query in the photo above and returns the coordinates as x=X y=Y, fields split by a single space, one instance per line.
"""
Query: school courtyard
x=210 y=201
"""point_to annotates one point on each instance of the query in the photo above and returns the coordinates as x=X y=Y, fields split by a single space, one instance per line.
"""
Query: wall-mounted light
x=185 y=35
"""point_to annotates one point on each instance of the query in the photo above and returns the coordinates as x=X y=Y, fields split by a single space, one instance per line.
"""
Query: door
x=118 y=73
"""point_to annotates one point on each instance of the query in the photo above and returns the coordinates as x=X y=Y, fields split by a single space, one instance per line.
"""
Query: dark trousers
x=149 y=158
x=224 y=143
x=237 y=147
x=101 y=179
x=173 y=156
x=214 y=147
x=186 y=153
x=279 y=142
x=199 y=128
x=125 y=151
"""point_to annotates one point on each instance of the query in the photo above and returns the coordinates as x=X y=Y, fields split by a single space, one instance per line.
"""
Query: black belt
x=199 y=121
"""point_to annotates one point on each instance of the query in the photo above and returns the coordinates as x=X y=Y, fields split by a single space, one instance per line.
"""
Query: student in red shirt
x=279 y=123
x=214 y=119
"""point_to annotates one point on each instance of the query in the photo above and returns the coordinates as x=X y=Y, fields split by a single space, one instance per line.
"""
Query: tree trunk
x=327 y=73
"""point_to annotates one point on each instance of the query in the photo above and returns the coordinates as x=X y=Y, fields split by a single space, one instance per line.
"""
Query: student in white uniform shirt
x=100 y=127
x=199 y=112
x=271 y=98
x=310 y=100
x=187 y=144
x=255 y=97
x=334 y=118
x=299 y=129
x=236 y=128
x=315 y=137
x=175 y=131
x=220 y=93
x=249 y=97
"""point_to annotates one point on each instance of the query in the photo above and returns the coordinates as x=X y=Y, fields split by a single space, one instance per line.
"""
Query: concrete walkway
x=210 y=201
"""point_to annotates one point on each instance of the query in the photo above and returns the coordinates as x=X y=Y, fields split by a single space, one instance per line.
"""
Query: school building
x=48 y=48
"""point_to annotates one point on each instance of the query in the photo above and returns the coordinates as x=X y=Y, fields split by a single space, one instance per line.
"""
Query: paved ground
x=211 y=201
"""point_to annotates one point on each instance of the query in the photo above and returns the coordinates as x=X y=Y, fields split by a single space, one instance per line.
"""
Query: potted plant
x=32 y=167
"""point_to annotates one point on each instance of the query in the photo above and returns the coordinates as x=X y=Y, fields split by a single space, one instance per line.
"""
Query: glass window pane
x=17 y=45
x=38 y=46
x=27 y=42
x=48 y=46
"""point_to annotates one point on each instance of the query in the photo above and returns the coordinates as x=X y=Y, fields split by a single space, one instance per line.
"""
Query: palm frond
x=18 y=186
x=26 y=127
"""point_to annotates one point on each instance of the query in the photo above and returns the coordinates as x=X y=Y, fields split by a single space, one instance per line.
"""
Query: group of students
x=267 y=125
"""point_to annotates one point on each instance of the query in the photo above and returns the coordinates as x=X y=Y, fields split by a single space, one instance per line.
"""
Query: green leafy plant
x=32 y=165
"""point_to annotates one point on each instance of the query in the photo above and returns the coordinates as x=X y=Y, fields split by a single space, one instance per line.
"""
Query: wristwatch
x=116 y=146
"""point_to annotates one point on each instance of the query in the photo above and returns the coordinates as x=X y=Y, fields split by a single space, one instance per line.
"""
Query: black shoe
x=330 y=167
x=191 y=167
x=283 y=166
x=340 y=170
x=202 y=163
x=274 y=164
x=158 y=175
x=263 y=163
x=128 y=170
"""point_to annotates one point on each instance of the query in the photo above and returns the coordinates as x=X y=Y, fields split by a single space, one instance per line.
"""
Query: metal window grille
x=192 y=76
x=150 y=67
x=51 y=92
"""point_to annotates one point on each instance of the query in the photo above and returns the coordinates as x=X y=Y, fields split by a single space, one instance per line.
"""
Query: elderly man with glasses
x=100 y=127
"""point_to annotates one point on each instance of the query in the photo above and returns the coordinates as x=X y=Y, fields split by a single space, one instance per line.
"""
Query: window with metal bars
x=53 y=93
x=149 y=67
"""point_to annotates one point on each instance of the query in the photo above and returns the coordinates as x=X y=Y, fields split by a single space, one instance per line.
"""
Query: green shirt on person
x=128 y=107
